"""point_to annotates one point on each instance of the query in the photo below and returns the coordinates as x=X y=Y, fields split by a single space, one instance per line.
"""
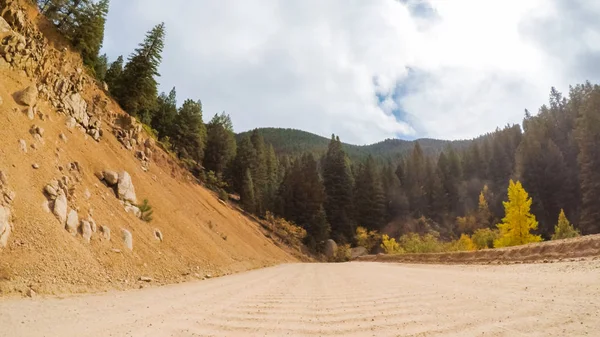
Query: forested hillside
x=429 y=187
x=294 y=142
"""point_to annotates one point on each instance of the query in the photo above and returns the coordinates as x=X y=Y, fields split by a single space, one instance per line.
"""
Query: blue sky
x=367 y=70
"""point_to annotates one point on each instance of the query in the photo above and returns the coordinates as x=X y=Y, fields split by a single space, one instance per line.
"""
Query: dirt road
x=351 y=299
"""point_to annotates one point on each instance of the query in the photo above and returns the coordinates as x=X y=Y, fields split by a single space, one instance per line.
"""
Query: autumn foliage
x=518 y=221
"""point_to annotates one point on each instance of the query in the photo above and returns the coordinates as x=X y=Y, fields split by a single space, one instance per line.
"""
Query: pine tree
x=220 y=145
x=396 y=203
x=484 y=216
x=588 y=134
x=243 y=161
x=113 y=75
x=302 y=195
x=190 y=132
x=564 y=229
x=137 y=89
x=163 y=119
x=247 y=193
x=415 y=182
x=518 y=221
x=100 y=67
x=369 y=198
x=272 y=179
x=338 y=189
x=259 y=170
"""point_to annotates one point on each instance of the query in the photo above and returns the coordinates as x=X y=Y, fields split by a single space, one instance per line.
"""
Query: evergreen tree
x=189 y=138
x=518 y=221
x=137 y=89
x=588 y=134
x=415 y=182
x=259 y=170
x=247 y=193
x=369 y=198
x=100 y=67
x=564 y=229
x=163 y=119
x=272 y=179
x=484 y=216
x=396 y=203
x=302 y=195
x=243 y=161
x=338 y=189
x=220 y=145
x=113 y=75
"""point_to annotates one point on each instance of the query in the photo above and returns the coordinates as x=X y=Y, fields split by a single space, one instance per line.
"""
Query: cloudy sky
x=367 y=69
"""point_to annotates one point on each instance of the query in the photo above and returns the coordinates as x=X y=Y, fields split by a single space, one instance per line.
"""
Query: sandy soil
x=351 y=299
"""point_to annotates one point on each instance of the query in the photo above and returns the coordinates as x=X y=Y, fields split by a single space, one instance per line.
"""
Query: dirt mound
x=581 y=247
x=78 y=131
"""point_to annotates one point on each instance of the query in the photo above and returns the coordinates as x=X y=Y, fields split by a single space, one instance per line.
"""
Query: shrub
x=415 y=243
x=484 y=238
x=463 y=244
x=564 y=229
x=367 y=239
x=390 y=246
x=145 y=211
x=223 y=195
x=342 y=253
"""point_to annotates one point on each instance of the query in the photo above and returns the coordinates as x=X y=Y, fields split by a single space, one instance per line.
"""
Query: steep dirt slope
x=201 y=235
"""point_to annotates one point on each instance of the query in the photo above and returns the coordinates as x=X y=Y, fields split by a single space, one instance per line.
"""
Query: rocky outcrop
x=23 y=47
x=60 y=207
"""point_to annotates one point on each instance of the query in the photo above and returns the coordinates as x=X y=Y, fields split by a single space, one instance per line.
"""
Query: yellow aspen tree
x=518 y=220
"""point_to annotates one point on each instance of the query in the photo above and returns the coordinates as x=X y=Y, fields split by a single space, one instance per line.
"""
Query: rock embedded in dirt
x=62 y=137
x=125 y=188
x=3 y=178
x=71 y=122
x=127 y=239
x=92 y=223
x=105 y=232
x=145 y=278
x=77 y=107
x=23 y=145
x=35 y=166
x=133 y=209
x=86 y=230
x=30 y=113
x=358 y=251
x=330 y=248
x=72 y=222
x=5 y=225
x=52 y=189
x=30 y=293
x=60 y=206
x=111 y=177
x=158 y=234
x=27 y=96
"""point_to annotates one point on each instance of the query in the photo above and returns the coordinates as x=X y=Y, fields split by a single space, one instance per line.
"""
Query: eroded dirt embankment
x=581 y=247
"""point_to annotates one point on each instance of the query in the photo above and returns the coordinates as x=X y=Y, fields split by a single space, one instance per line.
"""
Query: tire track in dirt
x=350 y=299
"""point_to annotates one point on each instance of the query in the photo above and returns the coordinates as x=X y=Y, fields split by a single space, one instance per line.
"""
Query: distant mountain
x=295 y=142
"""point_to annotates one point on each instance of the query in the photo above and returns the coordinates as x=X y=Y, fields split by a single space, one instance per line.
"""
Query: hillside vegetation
x=292 y=142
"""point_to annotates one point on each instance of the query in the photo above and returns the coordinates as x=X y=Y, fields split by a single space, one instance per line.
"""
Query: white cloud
x=318 y=65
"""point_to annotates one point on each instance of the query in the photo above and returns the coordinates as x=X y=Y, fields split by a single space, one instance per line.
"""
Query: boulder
x=86 y=230
x=5 y=226
x=30 y=113
x=111 y=177
x=125 y=188
x=72 y=222
x=92 y=223
x=52 y=190
x=358 y=251
x=330 y=248
x=27 y=96
x=78 y=108
x=60 y=206
x=127 y=239
x=105 y=232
